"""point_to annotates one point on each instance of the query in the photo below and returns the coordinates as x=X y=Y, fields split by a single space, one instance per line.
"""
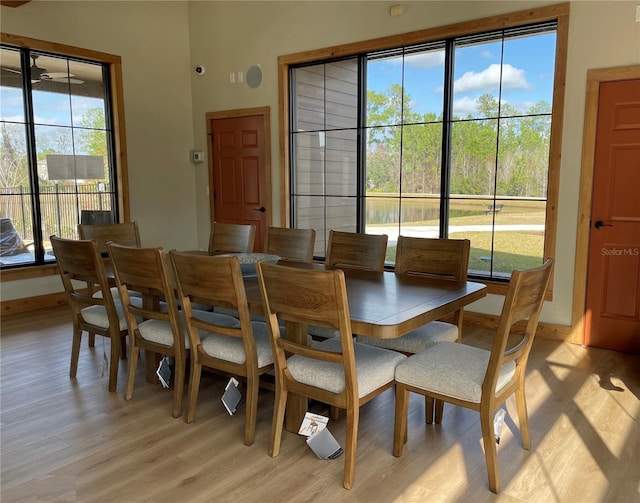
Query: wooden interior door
x=612 y=318
x=238 y=163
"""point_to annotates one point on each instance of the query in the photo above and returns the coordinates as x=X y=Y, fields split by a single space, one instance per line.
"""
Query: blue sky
x=527 y=74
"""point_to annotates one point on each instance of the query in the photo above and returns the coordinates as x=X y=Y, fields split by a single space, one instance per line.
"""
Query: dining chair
x=355 y=250
x=475 y=378
x=338 y=372
x=94 y=309
x=126 y=233
x=154 y=325
x=442 y=259
x=231 y=238
x=239 y=349
x=290 y=244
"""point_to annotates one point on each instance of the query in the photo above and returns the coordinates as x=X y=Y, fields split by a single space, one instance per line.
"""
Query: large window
x=442 y=138
x=57 y=150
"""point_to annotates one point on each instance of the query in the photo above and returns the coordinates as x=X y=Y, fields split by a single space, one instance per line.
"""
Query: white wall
x=165 y=118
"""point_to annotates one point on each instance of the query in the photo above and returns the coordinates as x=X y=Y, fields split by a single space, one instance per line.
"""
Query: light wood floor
x=71 y=440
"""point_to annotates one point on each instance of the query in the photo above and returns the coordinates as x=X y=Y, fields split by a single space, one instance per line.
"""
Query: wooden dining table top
x=387 y=305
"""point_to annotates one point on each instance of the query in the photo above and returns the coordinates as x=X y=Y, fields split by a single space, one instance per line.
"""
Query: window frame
x=116 y=103
x=558 y=13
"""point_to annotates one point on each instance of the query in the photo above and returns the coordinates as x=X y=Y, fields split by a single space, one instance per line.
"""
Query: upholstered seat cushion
x=97 y=315
x=159 y=331
x=375 y=368
x=451 y=369
x=417 y=340
x=231 y=349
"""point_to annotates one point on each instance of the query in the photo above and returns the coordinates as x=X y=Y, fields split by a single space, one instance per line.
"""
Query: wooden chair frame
x=524 y=301
x=353 y=250
x=319 y=298
x=217 y=281
x=295 y=245
x=231 y=238
x=145 y=270
x=80 y=260
x=126 y=234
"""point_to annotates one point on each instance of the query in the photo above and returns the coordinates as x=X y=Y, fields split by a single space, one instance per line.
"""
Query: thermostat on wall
x=197 y=156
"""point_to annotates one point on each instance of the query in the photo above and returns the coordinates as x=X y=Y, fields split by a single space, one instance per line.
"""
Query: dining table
x=381 y=304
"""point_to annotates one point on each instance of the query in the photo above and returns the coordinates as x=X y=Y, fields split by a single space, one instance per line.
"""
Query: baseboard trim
x=27 y=304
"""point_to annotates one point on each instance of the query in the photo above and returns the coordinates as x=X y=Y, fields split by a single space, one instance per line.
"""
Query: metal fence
x=60 y=207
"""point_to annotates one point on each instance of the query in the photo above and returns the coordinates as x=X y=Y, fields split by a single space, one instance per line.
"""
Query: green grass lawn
x=518 y=249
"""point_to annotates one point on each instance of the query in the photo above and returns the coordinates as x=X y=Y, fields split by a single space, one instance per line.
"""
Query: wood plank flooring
x=68 y=439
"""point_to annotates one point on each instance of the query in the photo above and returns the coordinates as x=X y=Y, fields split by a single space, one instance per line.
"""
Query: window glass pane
x=341 y=163
x=382 y=216
x=341 y=214
x=309 y=98
x=528 y=74
x=51 y=102
x=383 y=159
x=477 y=76
x=341 y=94
x=473 y=157
x=384 y=89
x=421 y=158
x=523 y=162
x=519 y=236
x=11 y=97
x=472 y=218
x=423 y=85
x=87 y=91
x=309 y=163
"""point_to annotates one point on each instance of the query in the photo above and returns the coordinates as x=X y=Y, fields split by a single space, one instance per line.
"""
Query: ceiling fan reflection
x=41 y=74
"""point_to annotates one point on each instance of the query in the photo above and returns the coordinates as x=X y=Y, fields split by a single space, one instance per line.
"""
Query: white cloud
x=426 y=60
x=465 y=106
x=486 y=54
x=489 y=78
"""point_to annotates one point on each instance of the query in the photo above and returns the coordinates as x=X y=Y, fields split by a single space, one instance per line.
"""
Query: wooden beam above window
x=14 y=3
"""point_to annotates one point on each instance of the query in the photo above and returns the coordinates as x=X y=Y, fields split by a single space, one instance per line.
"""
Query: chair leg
x=194 y=388
x=251 y=410
x=114 y=361
x=521 y=403
x=439 y=411
x=131 y=372
x=400 y=424
x=123 y=347
x=92 y=340
x=490 y=452
x=75 y=351
x=279 y=406
x=334 y=413
x=428 y=410
x=178 y=387
x=353 y=417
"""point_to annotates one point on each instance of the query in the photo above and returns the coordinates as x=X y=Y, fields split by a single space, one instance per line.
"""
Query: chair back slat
x=439 y=258
x=290 y=244
x=231 y=238
x=523 y=302
x=352 y=250
x=126 y=234
x=313 y=297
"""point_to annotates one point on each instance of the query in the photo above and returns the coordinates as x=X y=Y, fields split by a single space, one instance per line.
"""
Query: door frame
x=594 y=78
x=265 y=112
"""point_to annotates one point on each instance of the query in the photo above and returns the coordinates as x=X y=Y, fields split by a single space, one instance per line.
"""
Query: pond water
x=388 y=211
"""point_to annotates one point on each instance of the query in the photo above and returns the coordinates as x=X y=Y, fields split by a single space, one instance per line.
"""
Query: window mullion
x=447 y=114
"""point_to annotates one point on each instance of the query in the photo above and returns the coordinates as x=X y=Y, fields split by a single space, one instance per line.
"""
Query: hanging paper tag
x=231 y=396
x=164 y=372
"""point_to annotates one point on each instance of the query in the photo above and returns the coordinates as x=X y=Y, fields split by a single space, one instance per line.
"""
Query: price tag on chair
x=164 y=372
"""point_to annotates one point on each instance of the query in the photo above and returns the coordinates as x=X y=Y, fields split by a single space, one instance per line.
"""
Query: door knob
x=262 y=209
x=600 y=224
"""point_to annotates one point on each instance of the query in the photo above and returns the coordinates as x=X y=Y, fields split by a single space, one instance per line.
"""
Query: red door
x=612 y=318
x=238 y=152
